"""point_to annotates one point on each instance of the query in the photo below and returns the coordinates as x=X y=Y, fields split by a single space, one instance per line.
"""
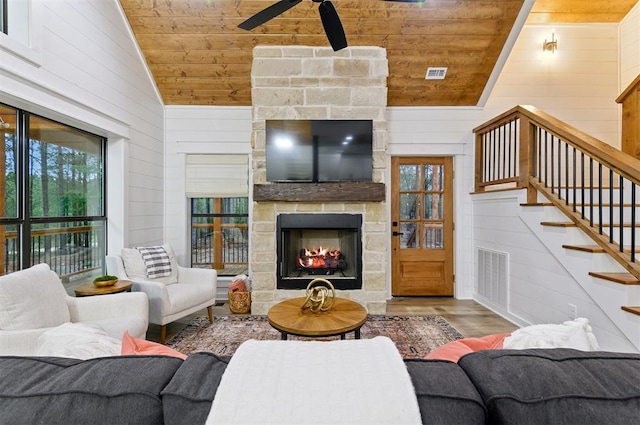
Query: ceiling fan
x=328 y=15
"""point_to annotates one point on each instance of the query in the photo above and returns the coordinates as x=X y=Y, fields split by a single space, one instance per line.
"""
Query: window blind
x=217 y=176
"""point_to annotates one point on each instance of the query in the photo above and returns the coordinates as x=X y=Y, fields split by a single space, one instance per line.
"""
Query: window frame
x=23 y=221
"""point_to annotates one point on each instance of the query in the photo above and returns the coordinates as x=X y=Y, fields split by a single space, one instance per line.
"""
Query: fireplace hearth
x=312 y=245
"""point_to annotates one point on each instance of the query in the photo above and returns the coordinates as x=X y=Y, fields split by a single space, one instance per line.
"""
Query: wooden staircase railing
x=594 y=184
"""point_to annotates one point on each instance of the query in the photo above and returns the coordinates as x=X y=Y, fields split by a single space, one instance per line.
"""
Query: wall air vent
x=493 y=276
x=436 y=73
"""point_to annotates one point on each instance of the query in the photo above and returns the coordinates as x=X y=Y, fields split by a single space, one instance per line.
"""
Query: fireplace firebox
x=319 y=245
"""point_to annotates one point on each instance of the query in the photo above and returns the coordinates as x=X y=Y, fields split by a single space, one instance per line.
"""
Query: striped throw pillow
x=156 y=261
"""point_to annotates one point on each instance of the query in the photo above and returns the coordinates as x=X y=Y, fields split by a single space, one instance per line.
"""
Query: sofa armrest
x=132 y=305
x=115 y=266
x=196 y=275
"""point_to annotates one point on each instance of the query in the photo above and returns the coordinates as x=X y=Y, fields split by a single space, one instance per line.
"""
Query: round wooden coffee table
x=290 y=319
x=90 y=289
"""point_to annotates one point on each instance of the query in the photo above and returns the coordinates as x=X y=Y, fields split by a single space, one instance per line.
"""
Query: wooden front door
x=422 y=226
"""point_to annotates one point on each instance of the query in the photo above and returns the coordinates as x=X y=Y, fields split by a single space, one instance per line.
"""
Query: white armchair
x=34 y=300
x=184 y=292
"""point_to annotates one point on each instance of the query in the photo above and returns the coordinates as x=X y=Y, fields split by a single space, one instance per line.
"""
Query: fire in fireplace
x=310 y=245
x=321 y=261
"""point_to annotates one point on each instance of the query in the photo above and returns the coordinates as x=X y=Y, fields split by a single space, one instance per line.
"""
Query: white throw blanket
x=78 y=341
x=576 y=334
x=313 y=382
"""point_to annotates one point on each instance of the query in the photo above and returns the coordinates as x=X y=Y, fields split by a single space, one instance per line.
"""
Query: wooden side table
x=345 y=316
x=89 y=289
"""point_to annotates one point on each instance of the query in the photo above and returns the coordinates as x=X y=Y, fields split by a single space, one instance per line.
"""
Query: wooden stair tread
x=623 y=278
x=558 y=223
x=630 y=309
x=596 y=249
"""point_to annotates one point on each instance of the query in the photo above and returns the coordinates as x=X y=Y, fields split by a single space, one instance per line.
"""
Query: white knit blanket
x=313 y=382
x=576 y=334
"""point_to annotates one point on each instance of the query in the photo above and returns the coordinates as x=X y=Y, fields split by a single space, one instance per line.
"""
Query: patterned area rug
x=415 y=336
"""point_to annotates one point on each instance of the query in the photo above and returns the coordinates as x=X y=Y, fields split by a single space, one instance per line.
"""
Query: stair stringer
x=608 y=296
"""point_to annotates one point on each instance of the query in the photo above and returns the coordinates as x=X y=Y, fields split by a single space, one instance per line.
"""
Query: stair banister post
x=479 y=168
x=527 y=158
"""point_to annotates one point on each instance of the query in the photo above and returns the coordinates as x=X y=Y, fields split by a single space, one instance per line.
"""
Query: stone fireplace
x=297 y=82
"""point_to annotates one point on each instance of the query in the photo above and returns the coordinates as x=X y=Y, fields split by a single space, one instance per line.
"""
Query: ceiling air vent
x=436 y=73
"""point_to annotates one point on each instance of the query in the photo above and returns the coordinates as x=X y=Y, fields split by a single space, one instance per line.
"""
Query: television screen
x=319 y=150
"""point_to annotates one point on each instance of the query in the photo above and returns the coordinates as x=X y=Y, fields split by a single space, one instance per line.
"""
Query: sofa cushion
x=544 y=386
x=188 y=397
x=136 y=268
x=445 y=394
x=109 y=390
x=185 y=296
x=32 y=298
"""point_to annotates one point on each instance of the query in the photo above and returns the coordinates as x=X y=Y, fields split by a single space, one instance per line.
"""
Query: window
x=219 y=234
x=52 y=206
x=21 y=30
x=14 y=19
x=4 y=17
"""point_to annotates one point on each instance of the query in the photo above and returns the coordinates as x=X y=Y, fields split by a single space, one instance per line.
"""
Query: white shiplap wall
x=555 y=84
x=83 y=69
x=590 y=54
x=202 y=130
x=630 y=47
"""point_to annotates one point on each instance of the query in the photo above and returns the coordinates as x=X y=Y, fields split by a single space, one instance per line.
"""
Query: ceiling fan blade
x=268 y=14
x=332 y=25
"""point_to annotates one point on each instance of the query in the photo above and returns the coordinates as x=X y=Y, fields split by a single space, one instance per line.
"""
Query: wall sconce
x=550 y=46
x=3 y=124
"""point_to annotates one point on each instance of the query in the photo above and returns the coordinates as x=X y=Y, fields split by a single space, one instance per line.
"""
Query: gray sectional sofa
x=542 y=386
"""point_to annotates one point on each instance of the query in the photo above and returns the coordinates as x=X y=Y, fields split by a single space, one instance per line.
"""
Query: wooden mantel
x=630 y=100
x=320 y=192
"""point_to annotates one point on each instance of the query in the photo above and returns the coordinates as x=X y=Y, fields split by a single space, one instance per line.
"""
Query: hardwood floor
x=467 y=316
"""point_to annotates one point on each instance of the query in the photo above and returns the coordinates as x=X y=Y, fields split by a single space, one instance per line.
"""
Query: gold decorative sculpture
x=320 y=295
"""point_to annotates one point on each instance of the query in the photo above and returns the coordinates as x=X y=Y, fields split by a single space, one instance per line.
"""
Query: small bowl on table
x=101 y=282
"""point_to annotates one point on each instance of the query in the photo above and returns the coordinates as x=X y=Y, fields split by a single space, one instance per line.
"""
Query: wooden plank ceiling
x=198 y=56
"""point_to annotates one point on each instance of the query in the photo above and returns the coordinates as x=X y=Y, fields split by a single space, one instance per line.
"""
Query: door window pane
x=434 y=177
x=433 y=206
x=409 y=178
x=433 y=236
x=410 y=235
x=409 y=206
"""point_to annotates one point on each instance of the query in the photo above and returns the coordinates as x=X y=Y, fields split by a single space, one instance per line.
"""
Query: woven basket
x=240 y=302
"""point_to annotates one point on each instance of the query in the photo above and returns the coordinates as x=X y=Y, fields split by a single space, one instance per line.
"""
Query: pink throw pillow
x=456 y=349
x=238 y=285
x=137 y=346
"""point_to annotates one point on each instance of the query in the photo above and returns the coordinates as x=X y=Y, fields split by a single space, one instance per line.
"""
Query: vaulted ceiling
x=198 y=55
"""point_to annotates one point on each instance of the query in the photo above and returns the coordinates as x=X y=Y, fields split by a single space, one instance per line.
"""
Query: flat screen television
x=319 y=150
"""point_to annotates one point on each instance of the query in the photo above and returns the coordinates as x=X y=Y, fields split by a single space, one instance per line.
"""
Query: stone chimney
x=298 y=82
